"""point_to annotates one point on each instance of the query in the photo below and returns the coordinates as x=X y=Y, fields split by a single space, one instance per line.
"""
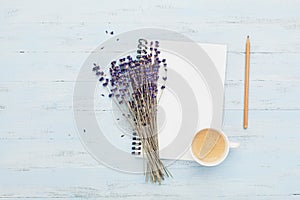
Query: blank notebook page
x=169 y=110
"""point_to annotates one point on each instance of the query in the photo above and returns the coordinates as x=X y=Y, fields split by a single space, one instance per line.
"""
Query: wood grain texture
x=44 y=44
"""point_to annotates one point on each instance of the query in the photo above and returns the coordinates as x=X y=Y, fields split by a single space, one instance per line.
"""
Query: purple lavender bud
x=98 y=73
x=105 y=84
x=164 y=78
x=156 y=44
x=110 y=95
x=96 y=68
x=163 y=87
x=101 y=78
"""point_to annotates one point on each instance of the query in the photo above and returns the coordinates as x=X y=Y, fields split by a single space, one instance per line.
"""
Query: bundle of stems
x=133 y=85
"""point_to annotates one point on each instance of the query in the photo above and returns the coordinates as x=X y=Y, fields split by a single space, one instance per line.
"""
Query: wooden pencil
x=246 y=89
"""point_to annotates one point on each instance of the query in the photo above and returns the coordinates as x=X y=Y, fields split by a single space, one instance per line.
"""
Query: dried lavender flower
x=133 y=85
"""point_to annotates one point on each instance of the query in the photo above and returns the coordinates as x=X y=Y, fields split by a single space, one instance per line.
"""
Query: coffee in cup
x=210 y=147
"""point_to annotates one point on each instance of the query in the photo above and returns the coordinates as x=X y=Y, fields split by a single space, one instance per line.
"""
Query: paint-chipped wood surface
x=43 y=45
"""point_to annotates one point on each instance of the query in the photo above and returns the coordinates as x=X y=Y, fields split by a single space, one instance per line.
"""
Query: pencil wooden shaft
x=246 y=89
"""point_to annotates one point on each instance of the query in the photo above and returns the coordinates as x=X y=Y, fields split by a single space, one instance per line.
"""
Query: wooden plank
x=33 y=99
x=65 y=66
x=57 y=28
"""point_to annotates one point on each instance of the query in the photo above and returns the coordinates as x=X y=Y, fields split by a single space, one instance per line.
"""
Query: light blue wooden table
x=43 y=45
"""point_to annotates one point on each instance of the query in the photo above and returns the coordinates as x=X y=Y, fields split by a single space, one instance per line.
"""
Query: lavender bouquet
x=133 y=85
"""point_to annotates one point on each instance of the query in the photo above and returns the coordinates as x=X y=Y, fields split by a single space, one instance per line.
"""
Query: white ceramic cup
x=228 y=145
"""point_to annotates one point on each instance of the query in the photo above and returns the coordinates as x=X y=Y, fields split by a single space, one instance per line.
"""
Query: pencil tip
x=248 y=36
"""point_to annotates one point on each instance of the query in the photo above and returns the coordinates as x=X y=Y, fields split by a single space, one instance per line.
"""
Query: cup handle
x=234 y=145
